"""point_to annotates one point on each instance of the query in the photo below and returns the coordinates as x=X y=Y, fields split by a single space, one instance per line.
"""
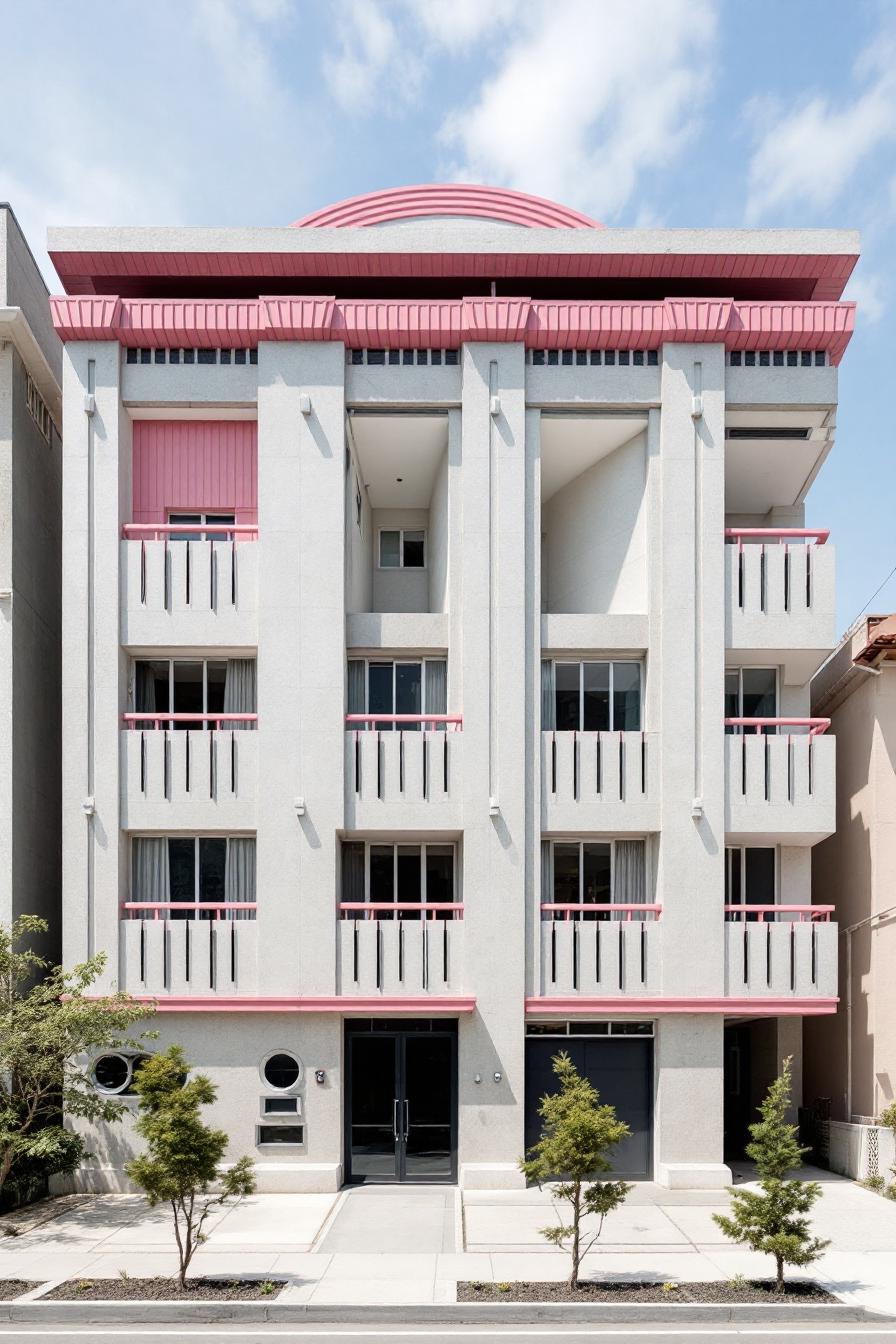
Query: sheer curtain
x=630 y=876
x=436 y=689
x=239 y=689
x=548 y=696
x=239 y=874
x=150 y=873
x=357 y=682
x=353 y=875
x=547 y=885
x=144 y=689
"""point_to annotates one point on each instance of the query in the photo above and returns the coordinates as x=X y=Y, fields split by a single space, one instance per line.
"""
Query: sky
x=659 y=113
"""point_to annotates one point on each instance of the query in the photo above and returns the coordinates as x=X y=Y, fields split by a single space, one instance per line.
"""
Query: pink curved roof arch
x=457 y=199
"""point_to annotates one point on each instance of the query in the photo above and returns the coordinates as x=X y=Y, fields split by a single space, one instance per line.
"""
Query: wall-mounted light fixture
x=320 y=1075
x=304 y=403
x=299 y=805
x=494 y=406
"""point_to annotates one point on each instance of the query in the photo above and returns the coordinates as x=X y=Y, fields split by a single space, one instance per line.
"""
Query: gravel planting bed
x=165 y=1290
x=754 y=1290
x=10 y=1288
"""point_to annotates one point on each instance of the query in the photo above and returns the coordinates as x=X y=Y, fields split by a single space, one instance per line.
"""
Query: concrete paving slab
x=362 y=1266
x=373 y=1218
x=696 y=1225
x=388 y=1292
x=281 y=1220
x=491 y=1227
x=464 y=1265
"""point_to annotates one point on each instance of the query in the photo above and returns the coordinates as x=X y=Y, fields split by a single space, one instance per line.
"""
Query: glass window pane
x=596 y=678
x=409 y=877
x=182 y=868
x=733 y=890
x=389 y=550
x=187 y=691
x=379 y=691
x=413 y=550
x=212 y=862
x=151 y=685
x=567 y=696
x=626 y=697
x=216 y=677
x=184 y=518
x=382 y=874
x=409 y=690
x=759 y=697
x=440 y=875
x=596 y=875
x=566 y=874
x=760 y=876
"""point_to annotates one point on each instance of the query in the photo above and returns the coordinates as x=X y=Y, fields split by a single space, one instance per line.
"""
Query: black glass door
x=401 y=1106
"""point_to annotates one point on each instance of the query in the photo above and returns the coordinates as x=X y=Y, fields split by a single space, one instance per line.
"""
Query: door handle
x=407 y=1119
x=395 y=1134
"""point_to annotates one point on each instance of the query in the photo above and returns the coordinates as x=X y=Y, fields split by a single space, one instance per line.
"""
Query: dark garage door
x=622 y=1071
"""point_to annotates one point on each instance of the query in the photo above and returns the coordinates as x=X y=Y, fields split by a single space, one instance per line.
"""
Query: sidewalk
x=411 y=1244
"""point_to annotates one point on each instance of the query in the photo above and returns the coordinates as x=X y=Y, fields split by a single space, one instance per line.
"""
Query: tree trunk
x=779 y=1286
x=576 y=1241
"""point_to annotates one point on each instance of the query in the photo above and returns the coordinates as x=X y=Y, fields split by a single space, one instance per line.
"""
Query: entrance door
x=401 y=1105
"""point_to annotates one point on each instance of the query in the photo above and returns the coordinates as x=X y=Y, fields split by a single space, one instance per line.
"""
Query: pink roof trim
x=400 y=324
x=465 y=200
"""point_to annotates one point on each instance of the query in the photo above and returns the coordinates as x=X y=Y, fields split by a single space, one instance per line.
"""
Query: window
x=281 y=1071
x=591 y=697
x=281 y=1105
x=405 y=874
x=182 y=686
x=40 y=413
x=401 y=549
x=594 y=872
x=392 y=687
x=112 y=1073
x=294 y=1134
x=750 y=693
x=750 y=876
x=194 y=870
x=211 y=519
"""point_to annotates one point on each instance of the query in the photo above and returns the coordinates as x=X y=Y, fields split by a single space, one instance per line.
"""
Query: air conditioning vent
x=766 y=432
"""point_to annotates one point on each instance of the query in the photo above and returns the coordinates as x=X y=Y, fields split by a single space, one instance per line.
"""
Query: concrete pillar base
x=694 y=1175
x=491 y=1176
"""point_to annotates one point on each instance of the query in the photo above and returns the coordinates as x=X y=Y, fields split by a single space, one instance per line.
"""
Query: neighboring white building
x=30 y=591
x=327 y=477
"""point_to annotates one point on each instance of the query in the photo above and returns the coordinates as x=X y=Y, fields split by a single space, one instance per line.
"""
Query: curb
x=465 y=1313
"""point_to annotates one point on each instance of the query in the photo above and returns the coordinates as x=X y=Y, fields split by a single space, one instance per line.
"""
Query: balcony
x=180 y=948
x=189 y=592
x=780 y=952
x=779 y=781
x=780 y=596
x=615 y=954
x=202 y=777
x=400 y=948
x=404 y=775
x=599 y=781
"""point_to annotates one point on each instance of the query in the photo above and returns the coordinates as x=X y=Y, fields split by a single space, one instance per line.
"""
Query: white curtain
x=239 y=874
x=630 y=876
x=548 y=696
x=357 y=683
x=144 y=688
x=547 y=884
x=353 y=874
x=436 y=691
x=150 y=873
x=239 y=689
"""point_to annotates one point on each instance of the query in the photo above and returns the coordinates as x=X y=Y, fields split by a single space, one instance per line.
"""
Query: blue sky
x=651 y=112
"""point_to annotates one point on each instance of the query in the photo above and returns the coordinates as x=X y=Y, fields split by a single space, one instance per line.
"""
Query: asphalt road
x=360 y=1334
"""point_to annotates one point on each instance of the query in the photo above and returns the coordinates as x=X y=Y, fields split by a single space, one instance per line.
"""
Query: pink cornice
x=418 y=324
x=426 y=1005
x=456 y=199
x=580 y=1005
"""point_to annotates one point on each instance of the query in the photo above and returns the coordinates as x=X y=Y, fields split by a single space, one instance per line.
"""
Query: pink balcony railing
x=625 y=911
x=387 y=909
x=193 y=531
x=779 y=534
x=153 y=721
x=778 y=571
x=815 y=726
x=802 y=913
x=451 y=722
x=201 y=909
x=412 y=762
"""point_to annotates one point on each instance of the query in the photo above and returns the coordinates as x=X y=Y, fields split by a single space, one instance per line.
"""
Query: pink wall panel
x=195 y=465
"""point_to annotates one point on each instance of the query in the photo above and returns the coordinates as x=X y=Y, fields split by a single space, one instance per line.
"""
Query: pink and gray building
x=439 y=616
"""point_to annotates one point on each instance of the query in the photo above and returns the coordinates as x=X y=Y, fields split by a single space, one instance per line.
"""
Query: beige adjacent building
x=851 y=1057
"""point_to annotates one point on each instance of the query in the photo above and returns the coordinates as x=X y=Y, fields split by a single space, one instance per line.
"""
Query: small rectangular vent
x=767 y=432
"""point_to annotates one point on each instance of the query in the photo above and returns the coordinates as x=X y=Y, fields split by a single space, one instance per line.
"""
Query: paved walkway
x=411 y=1244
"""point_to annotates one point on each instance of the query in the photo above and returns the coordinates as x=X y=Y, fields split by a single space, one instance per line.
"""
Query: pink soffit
x=410 y=324
x=460 y=200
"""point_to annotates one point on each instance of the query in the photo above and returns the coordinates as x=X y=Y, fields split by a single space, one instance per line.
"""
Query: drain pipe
x=847 y=933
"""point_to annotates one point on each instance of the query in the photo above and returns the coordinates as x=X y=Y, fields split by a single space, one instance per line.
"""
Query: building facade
x=849 y=1058
x=30 y=592
x=439 y=618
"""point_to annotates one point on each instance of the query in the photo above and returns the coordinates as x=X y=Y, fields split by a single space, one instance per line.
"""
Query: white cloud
x=586 y=99
x=809 y=150
x=374 y=59
x=868 y=292
x=459 y=23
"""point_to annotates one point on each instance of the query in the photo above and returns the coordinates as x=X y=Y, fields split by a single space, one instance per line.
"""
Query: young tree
x=183 y=1153
x=47 y=1025
x=773 y=1220
x=577 y=1133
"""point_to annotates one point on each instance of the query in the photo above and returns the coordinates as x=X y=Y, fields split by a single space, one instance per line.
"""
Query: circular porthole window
x=281 y=1071
x=112 y=1073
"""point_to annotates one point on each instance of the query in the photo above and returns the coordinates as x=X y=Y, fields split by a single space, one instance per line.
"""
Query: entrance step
x=393 y=1219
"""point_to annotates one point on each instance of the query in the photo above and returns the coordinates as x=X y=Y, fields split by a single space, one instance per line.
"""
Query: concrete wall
x=400 y=589
x=359 y=538
x=438 y=539
x=595 y=531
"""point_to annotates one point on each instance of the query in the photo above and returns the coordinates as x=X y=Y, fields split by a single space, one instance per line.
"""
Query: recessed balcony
x=600 y=950
x=403 y=770
x=189 y=770
x=780 y=784
x=396 y=948
x=593 y=781
x=189 y=584
x=181 y=948
x=780 y=952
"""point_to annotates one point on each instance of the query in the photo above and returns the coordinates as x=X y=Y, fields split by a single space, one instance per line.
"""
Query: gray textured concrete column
x=493 y=565
x=96 y=499
x=688 y=1119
